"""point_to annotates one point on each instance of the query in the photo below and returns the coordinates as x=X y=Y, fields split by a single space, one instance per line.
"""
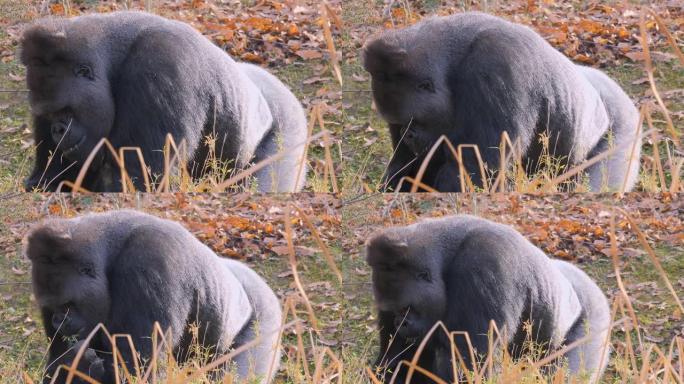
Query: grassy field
x=344 y=311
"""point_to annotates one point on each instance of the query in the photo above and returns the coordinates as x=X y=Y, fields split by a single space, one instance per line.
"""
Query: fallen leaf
x=309 y=54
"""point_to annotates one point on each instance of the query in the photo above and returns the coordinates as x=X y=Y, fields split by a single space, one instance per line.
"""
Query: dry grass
x=220 y=177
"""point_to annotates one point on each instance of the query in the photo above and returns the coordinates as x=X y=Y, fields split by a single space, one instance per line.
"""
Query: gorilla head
x=69 y=87
x=409 y=91
x=394 y=267
x=68 y=280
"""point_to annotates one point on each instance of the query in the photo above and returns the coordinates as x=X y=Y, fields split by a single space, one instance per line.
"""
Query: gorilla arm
x=152 y=93
x=511 y=282
x=393 y=348
x=143 y=287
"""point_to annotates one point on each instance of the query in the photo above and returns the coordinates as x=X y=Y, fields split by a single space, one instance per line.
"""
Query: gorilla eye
x=424 y=275
x=85 y=269
x=426 y=85
x=83 y=70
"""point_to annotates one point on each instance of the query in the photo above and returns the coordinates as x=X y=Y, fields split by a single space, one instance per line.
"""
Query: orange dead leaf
x=398 y=13
x=259 y=23
x=569 y=225
x=231 y=253
x=252 y=57
x=562 y=254
x=622 y=33
x=57 y=9
x=590 y=26
x=582 y=58
x=599 y=232
x=237 y=222
x=292 y=30
x=55 y=209
x=540 y=235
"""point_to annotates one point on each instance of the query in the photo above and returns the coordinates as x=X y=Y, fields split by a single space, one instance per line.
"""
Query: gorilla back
x=133 y=78
x=465 y=272
x=128 y=270
x=472 y=76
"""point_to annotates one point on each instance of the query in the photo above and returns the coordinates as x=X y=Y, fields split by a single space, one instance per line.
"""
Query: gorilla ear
x=40 y=40
x=381 y=54
x=45 y=242
x=385 y=247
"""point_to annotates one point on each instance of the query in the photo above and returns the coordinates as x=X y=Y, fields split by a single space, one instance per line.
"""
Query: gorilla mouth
x=77 y=333
x=68 y=151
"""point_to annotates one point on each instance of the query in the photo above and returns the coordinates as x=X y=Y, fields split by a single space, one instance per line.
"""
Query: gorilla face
x=69 y=90
x=407 y=91
x=411 y=325
x=69 y=322
x=406 y=285
x=70 y=288
x=402 y=98
x=418 y=140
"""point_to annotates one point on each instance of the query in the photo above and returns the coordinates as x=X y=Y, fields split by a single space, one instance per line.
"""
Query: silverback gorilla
x=466 y=271
x=126 y=270
x=133 y=78
x=472 y=76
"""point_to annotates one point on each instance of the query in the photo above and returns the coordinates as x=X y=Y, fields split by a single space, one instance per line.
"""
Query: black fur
x=126 y=270
x=473 y=76
x=466 y=271
x=133 y=78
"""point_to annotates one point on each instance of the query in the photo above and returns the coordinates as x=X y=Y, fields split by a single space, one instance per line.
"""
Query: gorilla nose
x=58 y=129
x=59 y=320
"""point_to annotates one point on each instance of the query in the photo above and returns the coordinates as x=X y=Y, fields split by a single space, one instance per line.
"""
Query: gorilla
x=472 y=76
x=466 y=271
x=128 y=270
x=134 y=78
